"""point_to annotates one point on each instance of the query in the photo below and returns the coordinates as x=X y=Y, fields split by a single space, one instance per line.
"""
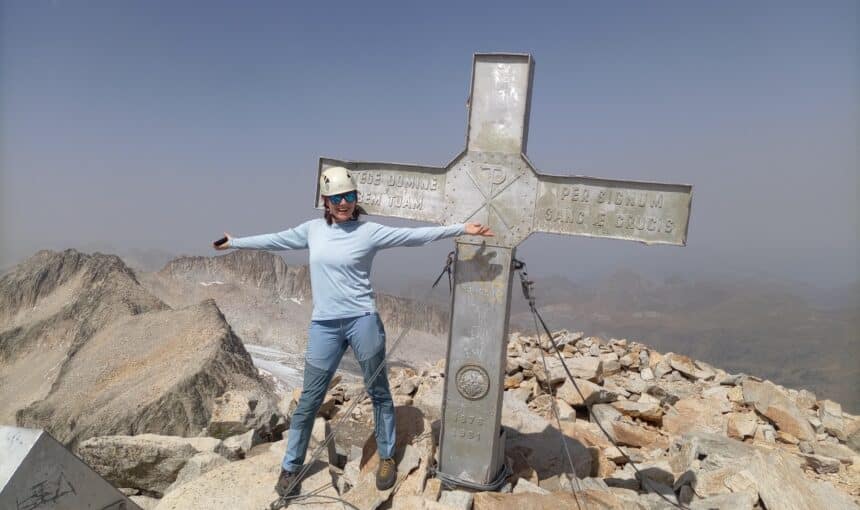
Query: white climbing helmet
x=336 y=180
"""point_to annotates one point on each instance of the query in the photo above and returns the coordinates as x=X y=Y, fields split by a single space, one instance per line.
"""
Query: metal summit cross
x=492 y=182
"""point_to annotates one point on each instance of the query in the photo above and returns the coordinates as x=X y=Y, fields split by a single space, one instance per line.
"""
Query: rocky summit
x=646 y=431
x=154 y=389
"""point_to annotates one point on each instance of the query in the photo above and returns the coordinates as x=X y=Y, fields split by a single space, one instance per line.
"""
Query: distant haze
x=157 y=126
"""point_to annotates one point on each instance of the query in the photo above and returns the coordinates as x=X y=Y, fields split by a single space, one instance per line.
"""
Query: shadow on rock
x=409 y=425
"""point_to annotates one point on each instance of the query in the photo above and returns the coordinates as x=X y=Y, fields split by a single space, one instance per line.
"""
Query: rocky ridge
x=698 y=436
x=268 y=302
x=249 y=267
x=86 y=351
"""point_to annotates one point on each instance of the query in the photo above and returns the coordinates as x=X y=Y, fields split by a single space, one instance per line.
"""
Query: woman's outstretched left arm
x=389 y=237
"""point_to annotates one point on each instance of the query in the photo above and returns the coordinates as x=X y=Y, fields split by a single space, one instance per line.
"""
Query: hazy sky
x=162 y=124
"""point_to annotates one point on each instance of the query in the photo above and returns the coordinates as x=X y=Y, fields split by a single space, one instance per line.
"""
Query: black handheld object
x=221 y=241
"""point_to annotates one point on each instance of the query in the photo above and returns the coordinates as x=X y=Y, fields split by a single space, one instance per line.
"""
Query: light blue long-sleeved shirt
x=341 y=255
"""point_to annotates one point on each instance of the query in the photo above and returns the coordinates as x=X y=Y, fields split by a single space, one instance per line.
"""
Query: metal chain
x=528 y=293
x=527 y=286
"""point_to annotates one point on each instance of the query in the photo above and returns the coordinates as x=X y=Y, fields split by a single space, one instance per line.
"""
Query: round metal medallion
x=473 y=382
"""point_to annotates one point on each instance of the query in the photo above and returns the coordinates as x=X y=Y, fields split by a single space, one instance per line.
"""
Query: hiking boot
x=386 y=474
x=286 y=479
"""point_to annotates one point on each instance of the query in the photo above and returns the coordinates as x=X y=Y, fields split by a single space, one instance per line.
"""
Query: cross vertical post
x=472 y=443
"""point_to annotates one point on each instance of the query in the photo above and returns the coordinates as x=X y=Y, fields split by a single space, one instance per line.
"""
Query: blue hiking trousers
x=327 y=341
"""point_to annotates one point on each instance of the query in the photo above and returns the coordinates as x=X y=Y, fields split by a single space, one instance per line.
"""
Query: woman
x=344 y=313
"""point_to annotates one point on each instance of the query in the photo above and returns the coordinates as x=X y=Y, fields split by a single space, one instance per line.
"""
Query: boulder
x=249 y=484
x=593 y=393
x=625 y=478
x=741 y=425
x=682 y=364
x=647 y=410
x=239 y=445
x=457 y=499
x=785 y=437
x=399 y=401
x=765 y=432
x=611 y=367
x=407 y=386
x=144 y=502
x=735 y=394
x=769 y=401
x=320 y=431
x=735 y=501
x=830 y=414
x=629 y=360
x=836 y=451
x=513 y=381
x=690 y=414
x=712 y=481
x=565 y=411
x=614 y=454
x=589 y=368
x=521 y=394
x=353 y=466
x=433 y=489
x=683 y=455
x=659 y=472
x=853 y=441
x=556 y=372
x=517 y=415
x=776 y=475
x=428 y=398
x=805 y=399
x=586 y=433
x=821 y=464
x=742 y=481
x=630 y=434
x=512 y=362
x=625 y=432
x=591 y=499
x=563 y=482
x=416 y=483
x=236 y=412
x=195 y=466
x=148 y=462
x=605 y=415
x=529 y=432
x=525 y=486
x=633 y=383
x=414 y=502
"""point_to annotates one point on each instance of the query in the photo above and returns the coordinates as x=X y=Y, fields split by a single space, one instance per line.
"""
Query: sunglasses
x=349 y=196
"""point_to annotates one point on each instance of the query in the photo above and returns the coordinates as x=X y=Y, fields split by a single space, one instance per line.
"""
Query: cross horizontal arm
x=392 y=189
x=648 y=212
